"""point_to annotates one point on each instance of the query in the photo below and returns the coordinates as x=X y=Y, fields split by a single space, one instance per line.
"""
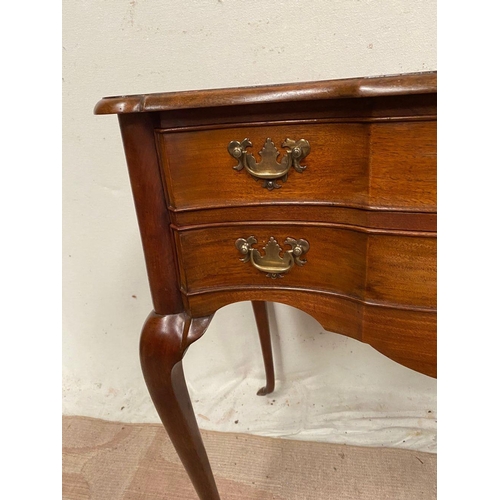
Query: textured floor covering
x=113 y=461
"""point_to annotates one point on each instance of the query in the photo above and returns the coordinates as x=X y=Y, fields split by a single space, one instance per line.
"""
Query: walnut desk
x=318 y=195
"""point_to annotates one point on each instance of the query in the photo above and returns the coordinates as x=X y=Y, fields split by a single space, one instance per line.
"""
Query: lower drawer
x=396 y=268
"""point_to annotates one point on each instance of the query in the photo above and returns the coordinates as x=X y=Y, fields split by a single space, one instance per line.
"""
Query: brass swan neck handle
x=268 y=169
x=272 y=263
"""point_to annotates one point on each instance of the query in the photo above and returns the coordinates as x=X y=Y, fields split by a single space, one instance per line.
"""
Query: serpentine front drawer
x=388 y=268
x=360 y=163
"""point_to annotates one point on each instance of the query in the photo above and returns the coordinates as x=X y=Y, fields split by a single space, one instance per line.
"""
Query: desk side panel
x=151 y=208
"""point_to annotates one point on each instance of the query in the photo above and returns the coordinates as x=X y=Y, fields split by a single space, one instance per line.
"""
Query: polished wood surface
x=366 y=204
x=418 y=83
x=361 y=165
x=164 y=341
x=407 y=336
x=154 y=220
x=294 y=212
x=260 y=312
x=387 y=267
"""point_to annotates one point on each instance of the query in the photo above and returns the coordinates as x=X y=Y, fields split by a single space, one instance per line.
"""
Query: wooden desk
x=228 y=212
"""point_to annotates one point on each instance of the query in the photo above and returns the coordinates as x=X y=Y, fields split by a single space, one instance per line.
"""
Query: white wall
x=329 y=387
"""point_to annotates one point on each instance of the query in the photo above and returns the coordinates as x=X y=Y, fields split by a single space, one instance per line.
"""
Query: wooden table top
x=391 y=85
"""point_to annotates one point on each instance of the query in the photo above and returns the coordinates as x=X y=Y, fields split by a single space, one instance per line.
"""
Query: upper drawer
x=373 y=165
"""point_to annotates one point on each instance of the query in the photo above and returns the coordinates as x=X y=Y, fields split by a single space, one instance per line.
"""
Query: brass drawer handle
x=271 y=262
x=269 y=170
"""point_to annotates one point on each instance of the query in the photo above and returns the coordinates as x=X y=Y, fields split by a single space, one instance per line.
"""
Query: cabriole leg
x=164 y=341
x=260 y=312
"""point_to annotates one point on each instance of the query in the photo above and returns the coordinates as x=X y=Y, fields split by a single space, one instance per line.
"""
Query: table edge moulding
x=319 y=195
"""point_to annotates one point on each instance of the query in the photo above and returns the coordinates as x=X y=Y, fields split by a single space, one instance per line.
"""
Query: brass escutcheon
x=269 y=170
x=271 y=262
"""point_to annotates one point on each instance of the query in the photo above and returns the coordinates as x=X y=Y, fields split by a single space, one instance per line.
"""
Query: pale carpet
x=114 y=461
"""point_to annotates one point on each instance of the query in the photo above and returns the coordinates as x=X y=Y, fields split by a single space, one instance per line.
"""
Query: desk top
x=407 y=84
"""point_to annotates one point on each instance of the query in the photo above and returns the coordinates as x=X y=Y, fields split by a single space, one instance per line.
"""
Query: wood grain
x=363 y=109
x=151 y=210
x=378 y=166
x=418 y=83
x=403 y=165
x=307 y=212
x=406 y=336
x=164 y=341
x=262 y=320
x=381 y=267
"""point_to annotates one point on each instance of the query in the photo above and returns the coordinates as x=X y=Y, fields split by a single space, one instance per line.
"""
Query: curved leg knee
x=164 y=341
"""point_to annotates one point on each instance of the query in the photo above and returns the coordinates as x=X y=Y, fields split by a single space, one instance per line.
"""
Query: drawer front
x=388 y=269
x=377 y=165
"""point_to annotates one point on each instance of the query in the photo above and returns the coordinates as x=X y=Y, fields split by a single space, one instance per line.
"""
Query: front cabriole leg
x=164 y=341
